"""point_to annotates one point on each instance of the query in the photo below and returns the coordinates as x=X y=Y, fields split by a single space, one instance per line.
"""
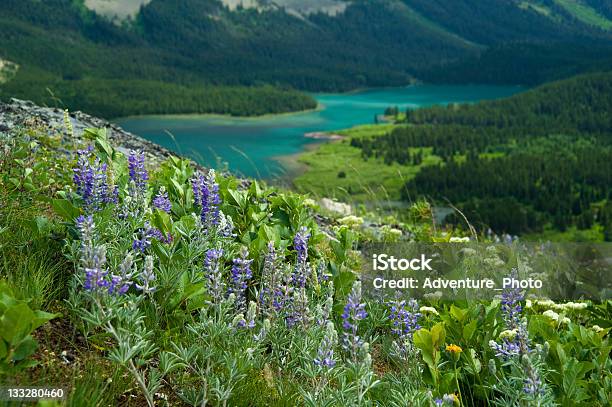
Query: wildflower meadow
x=128 y=283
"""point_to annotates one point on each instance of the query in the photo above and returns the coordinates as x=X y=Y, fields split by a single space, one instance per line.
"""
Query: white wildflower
x=429 y=310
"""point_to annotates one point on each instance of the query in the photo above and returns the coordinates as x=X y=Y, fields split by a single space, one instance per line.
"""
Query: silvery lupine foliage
x=511 y=312
x=147 y=277
x=354 y=311
x=324 y=312
x=214 y=276
x=91 y=181
x=302 y=269
x=206 y=196
x=147 y=233
x=325 y=353
x=161 y=201
x=240 y=275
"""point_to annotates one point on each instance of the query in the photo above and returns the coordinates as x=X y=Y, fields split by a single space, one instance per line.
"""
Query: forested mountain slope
x=68 y=55
x=534 y=161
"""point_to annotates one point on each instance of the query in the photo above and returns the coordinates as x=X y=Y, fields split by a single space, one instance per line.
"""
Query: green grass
x=585 y=13
x=364 y=181
x=572 y=234
x=539 y=8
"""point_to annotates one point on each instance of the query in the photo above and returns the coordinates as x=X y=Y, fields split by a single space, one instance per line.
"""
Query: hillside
x=126 y=281
x=92 y=54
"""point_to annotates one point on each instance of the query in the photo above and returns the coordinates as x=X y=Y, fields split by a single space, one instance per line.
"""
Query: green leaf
x=458 y=313
x=65 y=209
x=26 y=348
x=41 y=318
x=469 y=329
x=16 y=322
x=438 y=334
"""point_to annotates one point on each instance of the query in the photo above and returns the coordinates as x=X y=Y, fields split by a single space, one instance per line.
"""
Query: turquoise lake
x=250 y=146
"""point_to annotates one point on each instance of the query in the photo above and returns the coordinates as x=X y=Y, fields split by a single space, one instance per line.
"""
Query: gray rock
x=18 y=113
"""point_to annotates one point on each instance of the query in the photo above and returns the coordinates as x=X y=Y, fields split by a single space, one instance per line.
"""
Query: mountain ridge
x=206 y=44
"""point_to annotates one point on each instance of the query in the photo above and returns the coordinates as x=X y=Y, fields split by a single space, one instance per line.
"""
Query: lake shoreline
x=320 y=107
x=268 y=139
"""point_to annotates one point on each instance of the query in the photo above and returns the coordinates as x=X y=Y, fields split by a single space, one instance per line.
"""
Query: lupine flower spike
x=325 y=353
x=206 y=197
x=137 y=171
x=161 y=201
x=518 y=342
x=91 y=181
x=147 y=277
x=213 y=273
x=241 y=274
x=354 y=311
x=300 y=243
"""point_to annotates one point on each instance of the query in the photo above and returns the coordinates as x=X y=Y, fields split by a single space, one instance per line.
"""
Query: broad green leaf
x=26 y=348
x=16 y=322
x=438 y=334
x=469 y=329
x=65 y=209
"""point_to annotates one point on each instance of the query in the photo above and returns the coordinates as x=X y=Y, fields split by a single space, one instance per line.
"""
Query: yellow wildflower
x=454 y=348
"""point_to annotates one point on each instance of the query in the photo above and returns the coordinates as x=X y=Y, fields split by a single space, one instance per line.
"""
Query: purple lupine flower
x=251 y=315
x=147 y=277
x=146 y=234
x=449 y=399
x=511 y=313
x=506 y=349
x=95 y=270
x=206 y=196
x=214 y=278
x=239 y=321
x=300 y=243
x=283 y=295
x=93 y=258
x=298 y=312
x=268 y=280
x=138 y=172
x=121 y=283
x=161 y=201
x=354 y=311
x=240 y=276
x=405 y=318
x=325 y=353
x=93 y=263
x=90 y=178
x=532 y=385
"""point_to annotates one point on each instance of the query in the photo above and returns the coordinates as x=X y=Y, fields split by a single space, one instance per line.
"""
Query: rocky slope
x=18 y=113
